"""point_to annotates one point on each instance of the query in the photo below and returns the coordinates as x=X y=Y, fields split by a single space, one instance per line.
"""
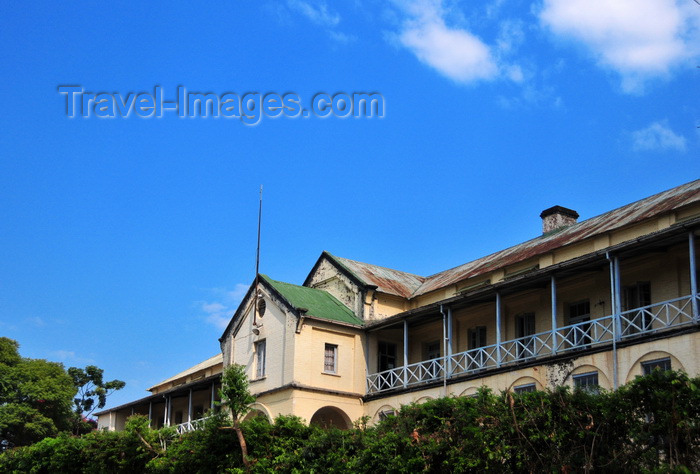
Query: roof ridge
x=378 y=266
x=567 y=230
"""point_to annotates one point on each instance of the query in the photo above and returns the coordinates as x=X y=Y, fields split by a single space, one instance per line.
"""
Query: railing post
x=554 y=315
x=499 y=358
x=693 y=274
x=405 y=353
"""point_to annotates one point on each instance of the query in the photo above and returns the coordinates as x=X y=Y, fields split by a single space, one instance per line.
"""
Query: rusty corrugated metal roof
x=408 y=285
x=657 y=204
x=387 y=280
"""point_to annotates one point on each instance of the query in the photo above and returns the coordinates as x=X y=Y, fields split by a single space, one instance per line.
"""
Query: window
x=387 y=356
x=580 y=312
x=587 y=382
x=432 y=351
x=476 y=338
x=386 y=360
x=384 y=414
x=525 y=327
x=260 y=359
x=633 y=297
x=526 y=388
x=660 y=364
x=330 y=359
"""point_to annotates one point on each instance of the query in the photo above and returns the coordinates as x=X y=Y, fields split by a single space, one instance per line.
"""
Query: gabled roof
x=387 y=280
x=318 y=303
x=409 y=286
x=655 y=205
x=210 y=362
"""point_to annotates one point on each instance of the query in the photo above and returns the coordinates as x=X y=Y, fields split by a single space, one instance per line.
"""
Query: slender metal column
x=693 y=274
x=165 y=411
x=618 y=292
x=554 y=315
x=405 y=353
x=449 y=342
x=444 y=351
x=189 y=408
x=150 y=412
x=213 y=394
x=615 y=307
x=498 y=329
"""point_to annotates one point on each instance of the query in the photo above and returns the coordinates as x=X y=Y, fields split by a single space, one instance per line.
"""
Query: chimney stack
x=556 y=218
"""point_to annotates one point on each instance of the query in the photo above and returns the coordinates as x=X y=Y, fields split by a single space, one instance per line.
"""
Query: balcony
x=599 y=332
x=193 y=425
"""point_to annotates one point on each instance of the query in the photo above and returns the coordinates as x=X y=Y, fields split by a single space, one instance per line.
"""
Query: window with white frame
x=657 y=364
x=587 y=382
x=330 y=359
x=260 y=359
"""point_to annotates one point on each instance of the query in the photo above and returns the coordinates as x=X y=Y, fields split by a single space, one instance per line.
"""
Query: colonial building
x=590 y=304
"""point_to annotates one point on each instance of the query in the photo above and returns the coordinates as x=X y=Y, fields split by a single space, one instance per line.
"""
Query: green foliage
x=35 y=397
x=652 y=424
x=92 y=389
x=234 y=392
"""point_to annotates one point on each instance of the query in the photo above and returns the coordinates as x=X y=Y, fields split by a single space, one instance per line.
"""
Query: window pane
x=525 y=388
x=260 y=359
x=661 y=364
x=329 y=358
x=587 y=381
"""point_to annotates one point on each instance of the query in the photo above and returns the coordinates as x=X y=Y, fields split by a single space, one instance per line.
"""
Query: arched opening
x=255 y=414
x=327 y=417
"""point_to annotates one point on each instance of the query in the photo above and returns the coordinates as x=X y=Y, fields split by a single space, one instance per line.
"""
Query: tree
x=92 y=389
x=236 y=395
x=35 y=397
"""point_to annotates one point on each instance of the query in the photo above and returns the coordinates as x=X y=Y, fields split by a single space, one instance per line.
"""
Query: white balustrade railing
x=575 y=337
x=193 y=425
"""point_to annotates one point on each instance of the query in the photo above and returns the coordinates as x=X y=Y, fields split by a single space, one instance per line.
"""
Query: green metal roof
x=319 y=303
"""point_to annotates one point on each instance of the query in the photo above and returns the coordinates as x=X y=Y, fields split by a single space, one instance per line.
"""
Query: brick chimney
x=557 y=217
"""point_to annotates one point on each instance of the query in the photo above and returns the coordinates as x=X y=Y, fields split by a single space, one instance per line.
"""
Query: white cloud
x=219 y=312
x=657 y=136
x=318 y=12
x=639 y=39
x=453 y=52
x=36 y=321
x=69 y=356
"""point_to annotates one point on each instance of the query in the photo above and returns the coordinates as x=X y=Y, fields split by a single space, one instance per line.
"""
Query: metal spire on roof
x=257 y=263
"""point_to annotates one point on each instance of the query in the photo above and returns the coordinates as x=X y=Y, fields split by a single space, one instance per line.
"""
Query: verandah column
x=693 y=274
x=554 y=315
x=166 y=415
x=211 y=405
x=498 y=329
x=449 y=342
x=189 y=408
x=405 y=353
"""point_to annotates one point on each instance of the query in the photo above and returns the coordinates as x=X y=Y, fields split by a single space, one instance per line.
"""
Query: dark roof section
x=387 y=280
x=317 y=303
x=559 y=210
x=409 y=286
x=630 y=214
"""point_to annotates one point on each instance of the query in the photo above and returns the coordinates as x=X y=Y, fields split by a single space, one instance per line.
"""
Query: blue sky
x=128 y=242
